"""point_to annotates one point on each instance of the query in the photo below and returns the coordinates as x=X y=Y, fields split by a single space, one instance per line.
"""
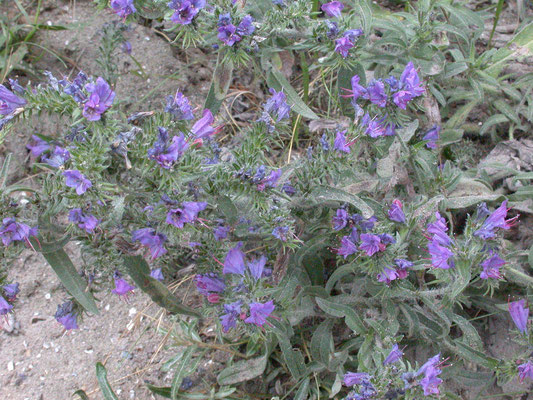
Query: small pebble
x=10 y=366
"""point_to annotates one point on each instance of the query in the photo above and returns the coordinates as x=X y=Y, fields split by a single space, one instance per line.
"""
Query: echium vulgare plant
x=324 y=269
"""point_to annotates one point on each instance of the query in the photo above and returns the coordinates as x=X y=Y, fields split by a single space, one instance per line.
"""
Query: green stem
x=523 y=278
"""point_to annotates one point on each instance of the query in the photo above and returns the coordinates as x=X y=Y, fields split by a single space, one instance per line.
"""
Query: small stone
x=10 y=366
x=47 y=296
x=107 y=307
x=132 y=312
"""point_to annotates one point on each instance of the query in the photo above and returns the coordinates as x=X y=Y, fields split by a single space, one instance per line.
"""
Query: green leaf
x=303 y=391
x=325 y=194
x=475 y=356
x=459 y=116
x=163 y=391
x=277 y=81
x=226 y=206
x=456 y=203
x=449 y=136
x=4 y=171
x=101 y=375
x=309 y=257
x=352 y=320
x=321 y=342
x=406 y=133
x=491 y=121
x=530 y=257
x=219 y=84
x=66 y=272
x=519 y=46
x=243 y=370
x=506 y=110
x=139 y=271
x=181 y=371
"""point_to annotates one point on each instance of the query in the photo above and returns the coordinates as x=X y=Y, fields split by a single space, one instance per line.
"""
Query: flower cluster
x=148 y=237
x=235 y=294
x=347 y=41
x=41 y=148
x=260 y=178
x=12 y=231
x=167 y=151
x=185 y=10
x=10 y=102
x=67 y=315
x=275 y=109
x=520 y=315
x=85 y=221
x=122 y=8
x=179 y=106
x=10 y=292
x=440 y=243
x=230 y=34
x=495 y=221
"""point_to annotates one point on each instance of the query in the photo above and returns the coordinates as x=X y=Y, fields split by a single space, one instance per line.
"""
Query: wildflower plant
x=328 y=261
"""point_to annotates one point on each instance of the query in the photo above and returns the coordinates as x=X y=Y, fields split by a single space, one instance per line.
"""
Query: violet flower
x=229 y=319
x=186 y=214
x=376 y=93
x=87 y=222
x=185 y=10
x=355 y=378
x=123 y=8
x=221 y=232
x=396 y=213
x=340 y=142
x=387 y=276
x=9 y=101
x=75 y=179
x=440 y=256
x=343 y=46
x=370 y=244
x=280 y=232
x=333 y=9
x=74 y=88
x=256 y=267
x=393 y=356
x=12 y=231
x=66 y=315
x=166 y=152
x=234 y=262
x=520 y=314
x=151 y=239
x=157 y=273
x=357 y=90
x=202 y=128
x=37 y=146
x=5 y=307
x=340 y=220
x=122 y=288
x=100 y=99
x=271 y=180
x=409 y=87
x=494 y=221
x=525 y=370
x=207 y=284
x=277 y=104
x=246 y=27
x=402 y=267
x=11 y=290
x=259 y=312
x=348 y=247
x=430 y=383
x=432 y=136
x=491 y=267
x=58 y=157
x=179 y=106
x=227 y=35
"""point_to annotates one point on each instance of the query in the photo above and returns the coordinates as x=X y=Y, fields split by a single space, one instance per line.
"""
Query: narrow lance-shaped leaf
x=105 y=387
x=219 y=84
x=139 y=271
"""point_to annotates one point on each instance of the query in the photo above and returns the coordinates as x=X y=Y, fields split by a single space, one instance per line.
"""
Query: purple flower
x=11 y=290
x=438 y=229
x=396 y=213
x=259 y=312
x=256 y=267
x=333 y=29
x=402 y=268
x=180 y=106
x=430 y=383
x=376 y=93
x=85 y=221
x=340 y=219
x=494 y=221
x=12 y=231
x=227 y=34
x=377 y=128
x=59 y=157
x=393 y=356
x=100 y=99
x=357 y=89
x=340 y=142
x=440 y=256
x=491 y=267
x=386 y=238
x=186 y=214
x=75 y=179
x=271 y=180
x=9 y=101
x=432 y=136
x=343 y=46
x=348 y=247
x=519 y=314
x=15 y=86
x=355 y=378
x=166 y=152
x=74 y=88
x=277 y=104
x=202 y=128
x=151 y=239
x=209 y=283
x=410 y=82
x=186 y=10
x=66 y=315
x=431 y=363
x=157 y=273
x=123 y=8
x=126 y=47
x=333 y=9
x=221 y=232
x=371 y=244
x=280 y=232
x=5 y=307
x=246 y=28
x=37 y=146
x=122 y=288
x=387 y=276
x=401 y=98
x=229 y=320
x=234 y=262
x=525 y=370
